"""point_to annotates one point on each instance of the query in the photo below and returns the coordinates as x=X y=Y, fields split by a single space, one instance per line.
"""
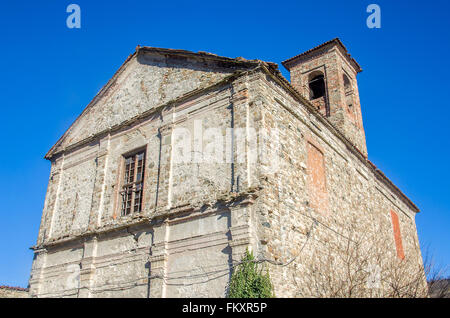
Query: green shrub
x=248 y=281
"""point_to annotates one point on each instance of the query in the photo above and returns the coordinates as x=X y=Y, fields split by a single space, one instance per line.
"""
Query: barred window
x=133 y=183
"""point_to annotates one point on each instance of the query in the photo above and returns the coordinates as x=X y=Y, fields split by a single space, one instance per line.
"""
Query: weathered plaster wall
x=74 y=199
x=199 y=262
x=147 y=81
x=185 y=238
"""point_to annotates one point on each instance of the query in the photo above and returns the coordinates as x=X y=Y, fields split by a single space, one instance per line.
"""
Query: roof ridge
x=337 y=41
x=13 y=288
x=198 y=53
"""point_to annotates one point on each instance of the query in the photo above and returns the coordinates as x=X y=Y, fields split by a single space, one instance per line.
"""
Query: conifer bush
x=249 y=281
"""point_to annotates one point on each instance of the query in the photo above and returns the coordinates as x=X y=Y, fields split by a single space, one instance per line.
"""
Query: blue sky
x=50 y=73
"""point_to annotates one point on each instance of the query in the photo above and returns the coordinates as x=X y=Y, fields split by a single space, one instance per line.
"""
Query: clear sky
x=50 y=73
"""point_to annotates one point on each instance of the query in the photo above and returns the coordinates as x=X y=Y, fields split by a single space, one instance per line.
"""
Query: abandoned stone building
x=124 y=216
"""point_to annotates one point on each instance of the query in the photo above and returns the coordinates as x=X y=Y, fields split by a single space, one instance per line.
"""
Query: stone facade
x=208 y=195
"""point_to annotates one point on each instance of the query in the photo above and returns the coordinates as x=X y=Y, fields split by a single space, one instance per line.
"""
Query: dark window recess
x=317 y=87
x=347 y=85
x=133 y=183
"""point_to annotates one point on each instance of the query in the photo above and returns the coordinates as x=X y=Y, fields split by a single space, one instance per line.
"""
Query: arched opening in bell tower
x=317 y=91
x=316 y=85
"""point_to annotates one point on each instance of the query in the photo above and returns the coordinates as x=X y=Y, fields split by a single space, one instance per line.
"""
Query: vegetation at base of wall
x=249 y=281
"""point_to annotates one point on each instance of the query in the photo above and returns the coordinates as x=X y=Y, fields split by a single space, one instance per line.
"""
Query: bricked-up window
x=317 y=179
x=133 y=183
x=397 y=235
x=347 y=84
x=348 y=93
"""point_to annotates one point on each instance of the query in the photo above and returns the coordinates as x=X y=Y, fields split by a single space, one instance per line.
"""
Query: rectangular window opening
x=132 y=187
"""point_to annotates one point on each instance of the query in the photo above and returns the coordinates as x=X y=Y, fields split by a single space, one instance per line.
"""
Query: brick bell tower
x=326 y=76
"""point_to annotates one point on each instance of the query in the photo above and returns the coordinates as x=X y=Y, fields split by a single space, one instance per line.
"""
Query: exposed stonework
x=200 y=215
x=354 y=195
x=13 y=292
x=332 y=60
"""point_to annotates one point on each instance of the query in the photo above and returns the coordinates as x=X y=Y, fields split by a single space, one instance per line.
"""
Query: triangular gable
x=148 y=78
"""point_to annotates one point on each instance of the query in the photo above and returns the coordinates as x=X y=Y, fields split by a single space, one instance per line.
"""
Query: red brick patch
x=397 y=235
x=317 y=178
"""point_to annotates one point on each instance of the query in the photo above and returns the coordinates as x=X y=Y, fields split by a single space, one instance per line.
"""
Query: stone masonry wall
x=333 y=65
x=291 y=226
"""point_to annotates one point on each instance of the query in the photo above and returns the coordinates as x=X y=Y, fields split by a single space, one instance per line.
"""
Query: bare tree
x=358 y=263
x=438 y=278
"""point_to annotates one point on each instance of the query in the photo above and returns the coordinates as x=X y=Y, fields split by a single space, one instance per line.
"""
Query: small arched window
x=316 y=85
x=348 y=89
x=347 y=84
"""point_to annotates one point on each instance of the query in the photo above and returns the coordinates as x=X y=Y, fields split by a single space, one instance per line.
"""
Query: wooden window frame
x=132 y=187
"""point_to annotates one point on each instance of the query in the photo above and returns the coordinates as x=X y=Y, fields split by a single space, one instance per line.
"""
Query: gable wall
x=119 y=254
x=146 y=81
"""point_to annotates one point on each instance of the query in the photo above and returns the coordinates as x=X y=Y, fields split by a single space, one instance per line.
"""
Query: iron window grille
x=133 y=183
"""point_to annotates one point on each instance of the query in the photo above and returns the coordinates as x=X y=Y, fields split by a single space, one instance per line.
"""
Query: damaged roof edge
x=201 y=54
x=337 y=41
x=15 y=288
x=50 y=153
x=237 y=61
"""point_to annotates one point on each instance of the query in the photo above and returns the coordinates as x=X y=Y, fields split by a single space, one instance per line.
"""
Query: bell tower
x=326 y=76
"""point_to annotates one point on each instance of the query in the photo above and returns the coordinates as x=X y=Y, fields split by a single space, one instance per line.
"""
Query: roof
x=336 y=41
x=13 y=288
x=200 y=54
